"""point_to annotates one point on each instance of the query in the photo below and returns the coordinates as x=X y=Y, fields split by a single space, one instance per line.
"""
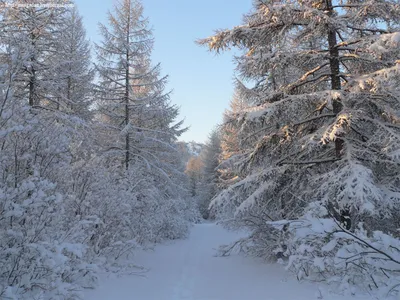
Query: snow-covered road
x=189 y=270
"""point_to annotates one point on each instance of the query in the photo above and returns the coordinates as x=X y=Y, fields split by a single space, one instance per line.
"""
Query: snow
x=395 y=38
x=252 y=199
x=188 y=269
x=257 y=112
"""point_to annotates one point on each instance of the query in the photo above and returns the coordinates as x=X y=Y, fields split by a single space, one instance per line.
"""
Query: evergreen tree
x=209 y=185
x=36 y=32
x=74 y=67
x=67 y=206
x=138 y=130
x=231 y=148
x=132 y=94
x=324 y=125
x=194 y=170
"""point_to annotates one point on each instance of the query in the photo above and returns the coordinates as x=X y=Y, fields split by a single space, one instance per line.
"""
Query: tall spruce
x=61 y=203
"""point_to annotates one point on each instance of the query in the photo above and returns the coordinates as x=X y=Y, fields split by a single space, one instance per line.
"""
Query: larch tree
x=231 y=148
x=74 y=68
x=323 y=133
x=194 y=170
x=210 y=157
x=132 y=93
x=36 y=31
x=138 y=129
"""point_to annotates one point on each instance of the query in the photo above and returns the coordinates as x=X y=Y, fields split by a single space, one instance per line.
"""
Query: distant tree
x=210 y=160
x=194 y=169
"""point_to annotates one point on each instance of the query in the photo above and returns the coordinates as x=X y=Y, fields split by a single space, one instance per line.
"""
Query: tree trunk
x=345 y=216
x=32 y=87
x=335 y=74
x=127 y=146
x=32 y=78
x=69 y=87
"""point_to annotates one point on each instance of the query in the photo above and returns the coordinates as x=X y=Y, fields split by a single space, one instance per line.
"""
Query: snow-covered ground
x=189 y=270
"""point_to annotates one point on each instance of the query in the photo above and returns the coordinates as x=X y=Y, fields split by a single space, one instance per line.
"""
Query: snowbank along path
x=189 y=270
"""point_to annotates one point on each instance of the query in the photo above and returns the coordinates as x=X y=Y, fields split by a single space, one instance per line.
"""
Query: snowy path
x=188 y=270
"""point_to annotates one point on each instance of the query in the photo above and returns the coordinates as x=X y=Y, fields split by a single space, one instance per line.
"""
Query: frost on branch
x=322 y=130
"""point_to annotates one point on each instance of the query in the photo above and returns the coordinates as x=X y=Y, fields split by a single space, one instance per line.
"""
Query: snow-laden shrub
x=192 y=212
x=114 y=217
x=39 y=257
x=36 y=260
x=264 y=240
x=322 y=249
x=156 y=218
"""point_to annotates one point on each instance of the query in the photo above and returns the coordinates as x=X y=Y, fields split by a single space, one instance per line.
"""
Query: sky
x=202 y=82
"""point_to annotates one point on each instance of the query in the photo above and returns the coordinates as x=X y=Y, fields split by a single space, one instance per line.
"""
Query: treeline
x=89 y=166
x=310 y=159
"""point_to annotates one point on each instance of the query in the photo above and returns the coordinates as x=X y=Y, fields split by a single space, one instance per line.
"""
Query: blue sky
x=200 y=80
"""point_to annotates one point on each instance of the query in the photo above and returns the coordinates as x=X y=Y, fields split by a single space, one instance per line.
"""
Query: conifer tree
x=231 y=148
x=194 y=170
x=74 y=67
x=138 y=129
x=322 y=137
x=132 y=96
x=36 y=31
x=210 y=157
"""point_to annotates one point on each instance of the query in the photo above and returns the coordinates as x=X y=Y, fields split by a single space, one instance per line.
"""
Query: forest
x=306 y=160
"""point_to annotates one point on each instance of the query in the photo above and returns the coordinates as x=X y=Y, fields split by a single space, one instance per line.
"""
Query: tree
x=210 y=159
x=231 y=149
x=74 y=67
x=194 y=170
x=323 y=134
x=138 y=131
x=36 y=32
x=131 y=88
